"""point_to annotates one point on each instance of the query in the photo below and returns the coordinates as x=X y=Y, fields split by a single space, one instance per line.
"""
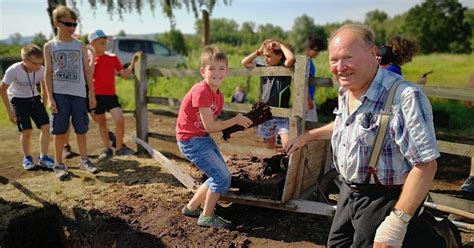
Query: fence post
x=300 y=96
x=141 y=111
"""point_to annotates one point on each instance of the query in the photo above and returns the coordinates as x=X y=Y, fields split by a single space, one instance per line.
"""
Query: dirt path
x=134 y=201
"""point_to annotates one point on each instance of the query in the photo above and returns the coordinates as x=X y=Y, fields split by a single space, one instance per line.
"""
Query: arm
x=391 y=231
x=212 y=125
x=248 y=61
x=48 y=77
x=44 y=94
x=125 y=73
x=88 y=74
x=91 y=57
x=6 y=102
x=322 y=133
x=290 y=57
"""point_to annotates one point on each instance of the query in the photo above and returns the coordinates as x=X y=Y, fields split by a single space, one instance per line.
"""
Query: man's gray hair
x=364 y=32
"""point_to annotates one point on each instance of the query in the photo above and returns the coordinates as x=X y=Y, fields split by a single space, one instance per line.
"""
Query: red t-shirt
x=189 y=122
x=104 y=74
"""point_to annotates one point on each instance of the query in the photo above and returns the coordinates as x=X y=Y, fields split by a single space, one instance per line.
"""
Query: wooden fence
x=296 y=113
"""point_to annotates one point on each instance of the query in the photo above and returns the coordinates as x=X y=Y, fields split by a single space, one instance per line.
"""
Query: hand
x=422 y=80
x=243 y=121
x=391 y=232
x=52 y=106
x=297 y=143
x=12 y=117
x=275 y=45
x=92 y=101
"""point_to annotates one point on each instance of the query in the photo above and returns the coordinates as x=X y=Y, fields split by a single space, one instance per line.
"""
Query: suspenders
x=385 y=116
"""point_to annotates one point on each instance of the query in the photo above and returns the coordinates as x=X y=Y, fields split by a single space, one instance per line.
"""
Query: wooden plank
x=291 y=175
x=313 y=207
x=455 y=202
x=231 y=195
x=141 y=112
x=257 y=71
x=184 y=178
x=229 y=148
x=300 y=173
x=321 y=82
x=163 y=100
x=466 y=94
x=163 y=137
x=315 y=164
x=456 y=148
x=244 y=108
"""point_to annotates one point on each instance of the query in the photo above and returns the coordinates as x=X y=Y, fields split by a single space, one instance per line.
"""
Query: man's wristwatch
x=402 y=215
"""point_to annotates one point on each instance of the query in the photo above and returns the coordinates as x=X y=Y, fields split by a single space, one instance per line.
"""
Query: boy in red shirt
x=105 y=67
x=196 y=119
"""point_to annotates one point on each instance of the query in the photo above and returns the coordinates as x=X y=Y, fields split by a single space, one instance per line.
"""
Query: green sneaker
x=191 y=213
x=213 y=221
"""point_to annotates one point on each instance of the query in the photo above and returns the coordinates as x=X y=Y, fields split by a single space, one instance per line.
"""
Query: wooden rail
x=299 y=90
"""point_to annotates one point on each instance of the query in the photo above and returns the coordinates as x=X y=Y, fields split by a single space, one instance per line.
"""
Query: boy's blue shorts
x=69 y=108
x=204 y=153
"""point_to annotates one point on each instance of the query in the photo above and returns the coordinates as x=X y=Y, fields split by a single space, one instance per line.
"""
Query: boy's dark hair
x=62 y=11
x=314 y=43
x=278 y=51
x=31 y=50
x=212 y=53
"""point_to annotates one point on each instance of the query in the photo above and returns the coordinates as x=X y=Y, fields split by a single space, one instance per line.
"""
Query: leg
x=270 y=142
x=25 y=138
x=44 y=140
x=82 y=145
x=101 y=120
x=117 y=116
x=342 y=231
x=59 y=140
x=198 y=198
x=210 y=203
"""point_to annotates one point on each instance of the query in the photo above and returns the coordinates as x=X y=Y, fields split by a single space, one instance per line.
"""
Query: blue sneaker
x=468 y=185
x=46 y=162
x=28 y=163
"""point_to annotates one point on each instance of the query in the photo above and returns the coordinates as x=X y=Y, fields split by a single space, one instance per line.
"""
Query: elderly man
x=374 y=208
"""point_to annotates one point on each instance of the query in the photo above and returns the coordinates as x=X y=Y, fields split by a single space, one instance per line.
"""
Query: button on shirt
x=410 y=138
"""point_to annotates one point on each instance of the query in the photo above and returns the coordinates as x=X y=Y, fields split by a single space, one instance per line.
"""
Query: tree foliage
x=39 y=39
x=439 y=26
x=303 y=28
x=175 y=40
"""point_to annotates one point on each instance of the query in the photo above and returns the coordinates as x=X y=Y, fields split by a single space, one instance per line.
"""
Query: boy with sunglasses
x=22 y=101
x=67 y=72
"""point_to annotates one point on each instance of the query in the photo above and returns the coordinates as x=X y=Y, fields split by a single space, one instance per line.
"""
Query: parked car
x=157 y=53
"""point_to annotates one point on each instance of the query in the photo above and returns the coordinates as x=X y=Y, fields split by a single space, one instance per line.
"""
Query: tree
x=121 y=33
x=175 y=40
x=377 y=19
x=39 y=39
x=439 y=26
x=16 y=38
x=247 y=33
x=268 y=31
x=303 y=28
x=223 y=30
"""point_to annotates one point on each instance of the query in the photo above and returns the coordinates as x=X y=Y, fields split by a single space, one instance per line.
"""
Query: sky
x=29 y=17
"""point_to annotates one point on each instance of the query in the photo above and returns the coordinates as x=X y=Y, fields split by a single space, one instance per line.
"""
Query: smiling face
x=351 y=61
x=100 y=45
x=214 y=73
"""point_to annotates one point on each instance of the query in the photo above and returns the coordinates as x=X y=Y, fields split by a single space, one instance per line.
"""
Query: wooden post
x=141 y=111
x=300 y=95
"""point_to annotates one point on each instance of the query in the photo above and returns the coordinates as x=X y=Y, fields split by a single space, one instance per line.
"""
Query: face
x=271 y=58
x=214 y=73
x=311 y=53
x=100 y=45
x=33 y=63
x=66 y=25
x=351 y=61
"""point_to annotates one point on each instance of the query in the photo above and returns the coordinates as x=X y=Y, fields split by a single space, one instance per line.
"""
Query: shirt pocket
x=367 y=128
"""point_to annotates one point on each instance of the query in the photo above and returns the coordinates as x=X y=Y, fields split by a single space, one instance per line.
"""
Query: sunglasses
x=35 y=63
x=69 y=24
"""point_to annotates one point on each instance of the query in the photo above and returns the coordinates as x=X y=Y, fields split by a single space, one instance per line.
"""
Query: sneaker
x=88 y=166
x=46 y=162
x=213 y=221
x=28 y=163
x=60 y=171
x=67 y=153
x=106 y=154
x=124 y=151
x=112 y=139
x=191 y=213
x=468 y=185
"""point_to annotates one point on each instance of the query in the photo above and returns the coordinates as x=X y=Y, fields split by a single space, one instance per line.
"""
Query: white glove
x=391 y=231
